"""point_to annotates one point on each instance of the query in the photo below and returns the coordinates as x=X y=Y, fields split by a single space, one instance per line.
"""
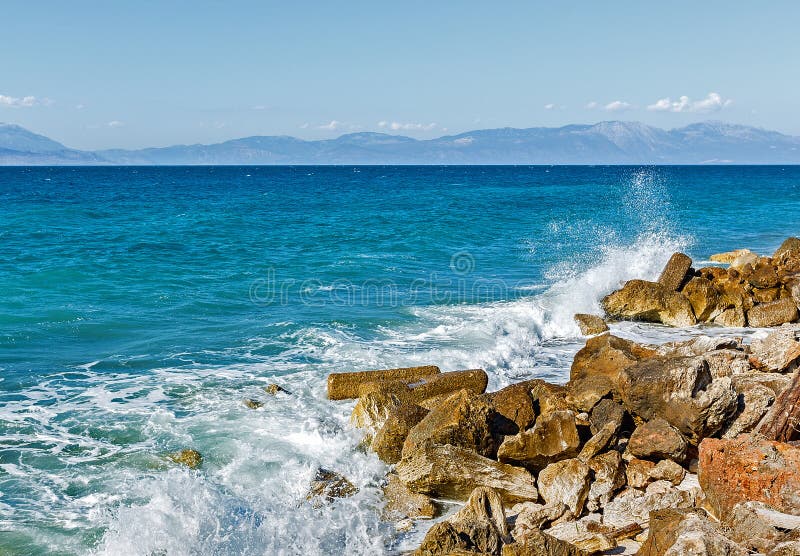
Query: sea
x=139 y=307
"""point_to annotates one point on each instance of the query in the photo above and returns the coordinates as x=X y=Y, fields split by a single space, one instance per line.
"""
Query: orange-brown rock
x=342 y=386
x=782 y=421
x=590 y=324
x=402 y=503
x=703 y=297
x=686 y=531
x=649 y=302
x=584 y=393
x=554 y=437
x=388 y=442
x=675 y=272
x=787 y=256
x=773 y=314
x=607 y=355
x=749 y=468
x=763 y=275
x=514 y=410
x=656 y=440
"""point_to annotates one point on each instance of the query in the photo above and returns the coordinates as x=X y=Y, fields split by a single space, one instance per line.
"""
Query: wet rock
x=668 y=470
x=190 y=458
x=749 y=468
x=584 y=393
x=609 y=477
x=656 y=440
x=464 y=419
x=251 y=403
x=699 y=345
x=473 y=380
x=514 y=410
x=681 y=391
x=372 y=410
x=328 y=485
x=634 y=506
x=675 y=272
x=566 y=482
x=649 y=302
x=744 y=259
x=453 y=472
x=759 y=527
x=607 y=355
x=772 y=314
x=274 y=389
x=637 y=473
x=732 y=318
x=554 y=437
x=779 y=352
x=686 y=531
x=703 y=297
x=590 y=324
x=343 y=386
x=402 y=503
x=388 y=442
x=754 y=401
x=729 y=256
x=606 y=411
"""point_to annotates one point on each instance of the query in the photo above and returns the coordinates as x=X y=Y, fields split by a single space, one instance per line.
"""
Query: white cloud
x=80 y=106
x=304 y=126
x=259 y=107
x=712 y=103
x=410 y=126
x=115 y=123
x=23 y=102
x=617 y=106
x=550 y=106
x=333 y=125
x=592 y=105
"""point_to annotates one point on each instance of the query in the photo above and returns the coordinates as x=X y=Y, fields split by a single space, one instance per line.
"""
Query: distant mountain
x=602 y=143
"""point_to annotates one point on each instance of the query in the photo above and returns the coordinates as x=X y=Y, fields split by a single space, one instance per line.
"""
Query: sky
x=106 y=74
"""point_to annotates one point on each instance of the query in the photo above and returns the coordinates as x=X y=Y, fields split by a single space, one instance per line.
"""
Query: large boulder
x=703 y=297
x=463 y=419
x=454 y=472
x=609 y=477
x=649 y=302
x=675 y=272
x=754 y=400
x=388 y=442
x=343 y=386
x=635 y=506
x=733 y=317
x=773 y=314
x=432 y=387
x=372 y=410
x=787 y=256
x=539 y=543
x=760 y=527
x=749 y=468
x=590 y=324
x=566 y=482
x=675 y=532
x=681 y=391
x=554 y=437
x=607 y=355
x=729 y=256
x=584 y=393
x=402 y=503
x=513 y=407
x=656 y=440
x=763 y=275
x=778 y=352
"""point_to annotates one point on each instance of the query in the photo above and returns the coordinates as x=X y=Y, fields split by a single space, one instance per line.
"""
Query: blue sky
x=98 y=74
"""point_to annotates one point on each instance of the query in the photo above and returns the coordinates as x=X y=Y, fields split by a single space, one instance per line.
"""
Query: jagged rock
x=450 y=471
x=566 y=482
x=731 y=318
x=402 y=503
x=274 y=389
x=342 y=386
x=606 y=411
x=776 y=382
x=328 y=485
x=675 y=532
x=388 y=442
x=765 y=295
x=637 y=472
x=634 y=506
x=759 y=527
x=538 y=543
x=190 y=458
x=649 y=302
x=675 y=272
x=680 y=390
x=788 y=548
x=513 y=405
x=727 y=362
x=590 y=324
x=656 y=440
x=754 y=401
x=463 y=419
x=372 y=410
x=703 y=297
x=251 y=403
x=530 y=516
x=609 y=477
x=699 y=345
x=782 y=421
x=443 y=538
x=779 y=352
x=598 y=442
x=729 y=256
x=554 y=437
x=584 y=393
x=547 y=397
x=787 y=257
x=763 y=275
x=586 y=534
x=668 y=470
x=749 y=468
x=772 y=314
x=607 y=355
x=744 y=259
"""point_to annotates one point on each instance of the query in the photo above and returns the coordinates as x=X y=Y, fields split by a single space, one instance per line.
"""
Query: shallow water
x=139 y=306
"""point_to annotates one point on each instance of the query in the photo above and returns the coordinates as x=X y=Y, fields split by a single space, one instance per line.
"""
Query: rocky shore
x=690 y=447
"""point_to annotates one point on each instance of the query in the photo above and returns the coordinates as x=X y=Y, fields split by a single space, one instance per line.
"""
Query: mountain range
x=613 y=142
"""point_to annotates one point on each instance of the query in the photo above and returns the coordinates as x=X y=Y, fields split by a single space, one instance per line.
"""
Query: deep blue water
x=138 y=306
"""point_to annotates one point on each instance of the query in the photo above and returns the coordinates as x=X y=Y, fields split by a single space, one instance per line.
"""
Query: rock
x=537 y=543
x=533 y=517
x=328 y=485
x=681 y=391
x=251 y=403
x=699 y=345
x=583 y=394
x=731 y=318
x=675 y=532
x=274 y=389
x=788 y=548
x=598 y=443
x=586 y=534
x=703 y=297
x=442 y=539
x=402 y=503
x=759 y=527
x=388 y=442
x=554 y=437
x=727 y=362
x=590 y=324
x=342 y=386
x=190 y=458
x=609 y=477
x=634 y=506
x=765 y=295
x=668 y=470
x=749 y=468
x=372 y=410
x=774 y=381
x=754 y=401
x=464 y=419
x=782 y=421
x=513 y=407
x=607 y=355
x=606 y=411
x=743 y=260
x=473 y=380
x=779 y=352
x=772 y=314
x=566 y=482
x=649 y=302
x=453 y=472
x=637 y=473
x=729 y=256
x=675 y=272
x=787 y=257
x=547 y=397
x=657 y=439
x=763 y=275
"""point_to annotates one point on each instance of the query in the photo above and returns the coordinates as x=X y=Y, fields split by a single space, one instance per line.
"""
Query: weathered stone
x=675 y=272
x=727 y=362
x=765 y=295
x=342 y=386
x=547 y=397
x=554 y=437
x=274 y=389
x=538 y=543
x=584 y=393
x=681 y=391
x=787 y=548
x=763 y=275
x=699 y=345
x=776 y=382
x=634 y=506
x=787 y=256
x=372 y=410
x=463 y=419
x=729 y=256
x=609 y=476
x=606 y=411
x=754 y=401
x=513 y=405
x=782 y=421
x=772 y=314
x=649 y=302
x=703 y=297
x=421 y=390
x=388 y=442
x=744 y=259
x=450 y=471
x=731 y=318
x=656 y=440
x=190 y=458
x=328 y=485
x=598 y=442
x=402 y=503
x=637 y=472
x=566 y=482
x=586 y=534
x=590 y=324
x=250 y=403
x=759 y=527
x=749 y=468
x=779 y=352
x=668 y=470
x=442 y=539
x=530 y=516
x=607 y=355
x=675 y=532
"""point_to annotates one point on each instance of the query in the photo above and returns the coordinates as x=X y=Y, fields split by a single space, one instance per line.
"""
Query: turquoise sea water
x=139 y=306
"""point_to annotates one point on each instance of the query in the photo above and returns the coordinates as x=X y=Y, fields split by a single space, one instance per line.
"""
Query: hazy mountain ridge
x=612 y=142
